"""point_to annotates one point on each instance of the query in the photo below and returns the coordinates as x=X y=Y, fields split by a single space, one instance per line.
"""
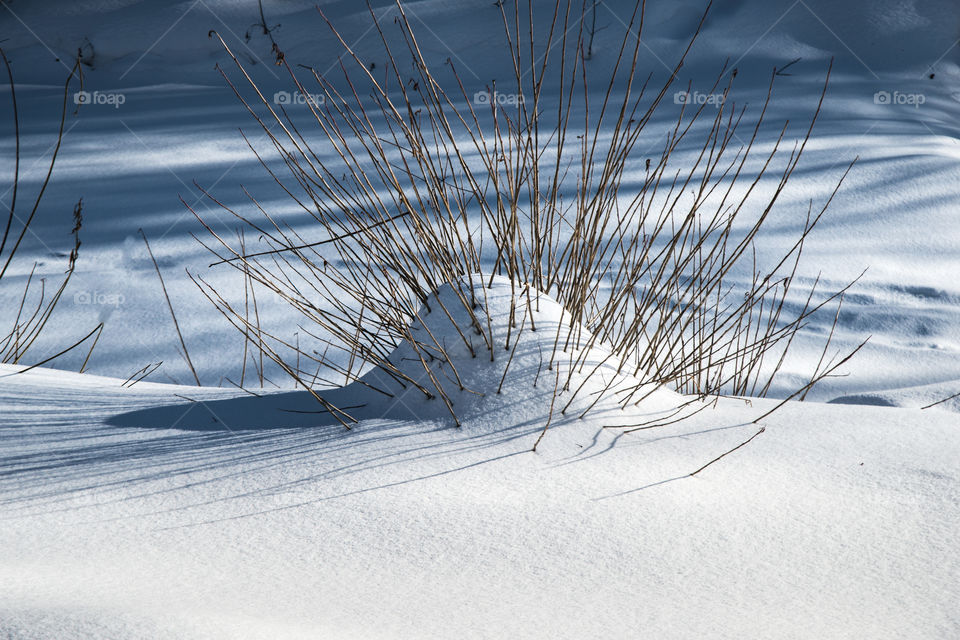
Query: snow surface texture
x=837 y=521
x=160 y=511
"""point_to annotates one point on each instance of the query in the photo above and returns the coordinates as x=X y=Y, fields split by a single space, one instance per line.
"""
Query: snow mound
x=489 y=351
x=542 y=368
x=942 y=396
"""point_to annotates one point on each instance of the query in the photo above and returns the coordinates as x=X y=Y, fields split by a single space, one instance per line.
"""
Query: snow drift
x=523 y=363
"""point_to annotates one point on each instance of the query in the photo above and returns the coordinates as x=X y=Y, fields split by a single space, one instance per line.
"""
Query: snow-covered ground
x=159 y=510
x=837 y=521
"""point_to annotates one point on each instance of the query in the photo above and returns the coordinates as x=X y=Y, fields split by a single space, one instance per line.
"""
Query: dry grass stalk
x=173 y=314
x=37 y=304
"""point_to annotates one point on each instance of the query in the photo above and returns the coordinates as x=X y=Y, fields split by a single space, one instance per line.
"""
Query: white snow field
x=166 y=511
x=155 y=509
x=837 y=521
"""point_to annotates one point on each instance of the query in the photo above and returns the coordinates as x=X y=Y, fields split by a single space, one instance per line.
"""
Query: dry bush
x=417 y=187
x=37 y=301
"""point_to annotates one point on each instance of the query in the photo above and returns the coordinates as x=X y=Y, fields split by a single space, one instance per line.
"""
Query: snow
x=836 y=521
x=160 y=510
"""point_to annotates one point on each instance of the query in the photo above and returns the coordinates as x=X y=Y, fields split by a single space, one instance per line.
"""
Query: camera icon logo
x=282 y=97
x=681 y=97
x=81 y=97
x=481 y=97
x=881 y=97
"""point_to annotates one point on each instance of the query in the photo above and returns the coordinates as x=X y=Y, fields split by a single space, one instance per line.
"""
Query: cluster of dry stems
x=37 y=303
x=413 y=186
